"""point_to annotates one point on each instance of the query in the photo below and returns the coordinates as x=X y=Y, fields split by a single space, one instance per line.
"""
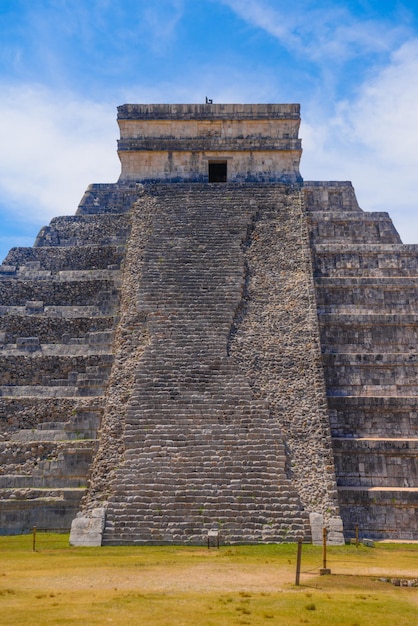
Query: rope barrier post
x=298 y=561
x=356 y=535
x=34 y=539
x=324 y=570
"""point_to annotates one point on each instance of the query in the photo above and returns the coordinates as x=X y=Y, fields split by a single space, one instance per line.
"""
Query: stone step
x=363 y=282
x=75 y=347
x=351 y=227
x=346 y=299
x=373 y=462
x=369 y=307
x=373 y=391
x=50 y=329
x=236 y=524
x=82 y=230
x=69 y=291
x=330 y=196
x=390 y=416
x=87 y=388
x=70 y=312
x=33 y=452
x=14 y=482
x=352 y=260
x=31 y=413
x=105 y=199
x=33 y=272
x=347 y=371
x=38 y=369
x=374 y=333
x=51 y=509
x=380 y=512
x=56 y=259
x=81 y=426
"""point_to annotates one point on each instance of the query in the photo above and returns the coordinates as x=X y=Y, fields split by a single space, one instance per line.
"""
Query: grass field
x=193 y=586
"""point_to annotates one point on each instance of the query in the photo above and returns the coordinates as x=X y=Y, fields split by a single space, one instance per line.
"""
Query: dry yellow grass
x=165 y=586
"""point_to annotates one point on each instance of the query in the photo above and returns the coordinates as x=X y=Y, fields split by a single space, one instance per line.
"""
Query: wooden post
x=357 y=535
x=34 y=539
x=324 y=570
x=298 y=561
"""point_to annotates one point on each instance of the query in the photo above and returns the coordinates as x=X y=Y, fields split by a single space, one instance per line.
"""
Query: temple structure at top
x=209 y=142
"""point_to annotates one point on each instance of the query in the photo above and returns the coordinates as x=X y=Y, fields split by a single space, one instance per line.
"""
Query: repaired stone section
x=200 y=449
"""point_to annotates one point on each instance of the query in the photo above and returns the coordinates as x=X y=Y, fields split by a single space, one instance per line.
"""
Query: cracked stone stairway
x=201 y=452
x=366 y=282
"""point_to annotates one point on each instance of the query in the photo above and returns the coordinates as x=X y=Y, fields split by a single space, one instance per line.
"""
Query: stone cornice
x=208 y=111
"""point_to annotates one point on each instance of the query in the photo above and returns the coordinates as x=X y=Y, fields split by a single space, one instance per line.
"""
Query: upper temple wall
x=180 y=142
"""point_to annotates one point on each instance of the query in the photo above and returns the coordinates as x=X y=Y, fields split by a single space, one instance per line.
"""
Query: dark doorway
x=217 y=172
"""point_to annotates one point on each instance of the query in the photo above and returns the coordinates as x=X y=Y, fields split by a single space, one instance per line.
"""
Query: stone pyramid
x=210 y=345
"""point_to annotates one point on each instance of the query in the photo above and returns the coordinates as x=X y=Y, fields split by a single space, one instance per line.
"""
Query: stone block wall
x=367 y=309
x=58 y=307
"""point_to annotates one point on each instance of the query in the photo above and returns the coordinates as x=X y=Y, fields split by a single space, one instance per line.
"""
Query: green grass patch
x=190 y=586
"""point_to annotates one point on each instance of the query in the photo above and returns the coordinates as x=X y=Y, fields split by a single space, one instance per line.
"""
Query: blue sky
x=65 y=65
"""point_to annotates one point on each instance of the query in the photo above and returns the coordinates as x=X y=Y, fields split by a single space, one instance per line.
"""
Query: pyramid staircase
x=221 y=405
x=366 y=285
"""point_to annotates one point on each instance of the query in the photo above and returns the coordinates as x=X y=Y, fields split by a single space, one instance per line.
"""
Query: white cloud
x=52 y=146
x=318 y=30
x=373 y=141
x=385 y=115
x=161 y=18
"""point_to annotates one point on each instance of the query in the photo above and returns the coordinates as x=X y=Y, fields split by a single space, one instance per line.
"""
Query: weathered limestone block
x=333 y=526
x=87 y=531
